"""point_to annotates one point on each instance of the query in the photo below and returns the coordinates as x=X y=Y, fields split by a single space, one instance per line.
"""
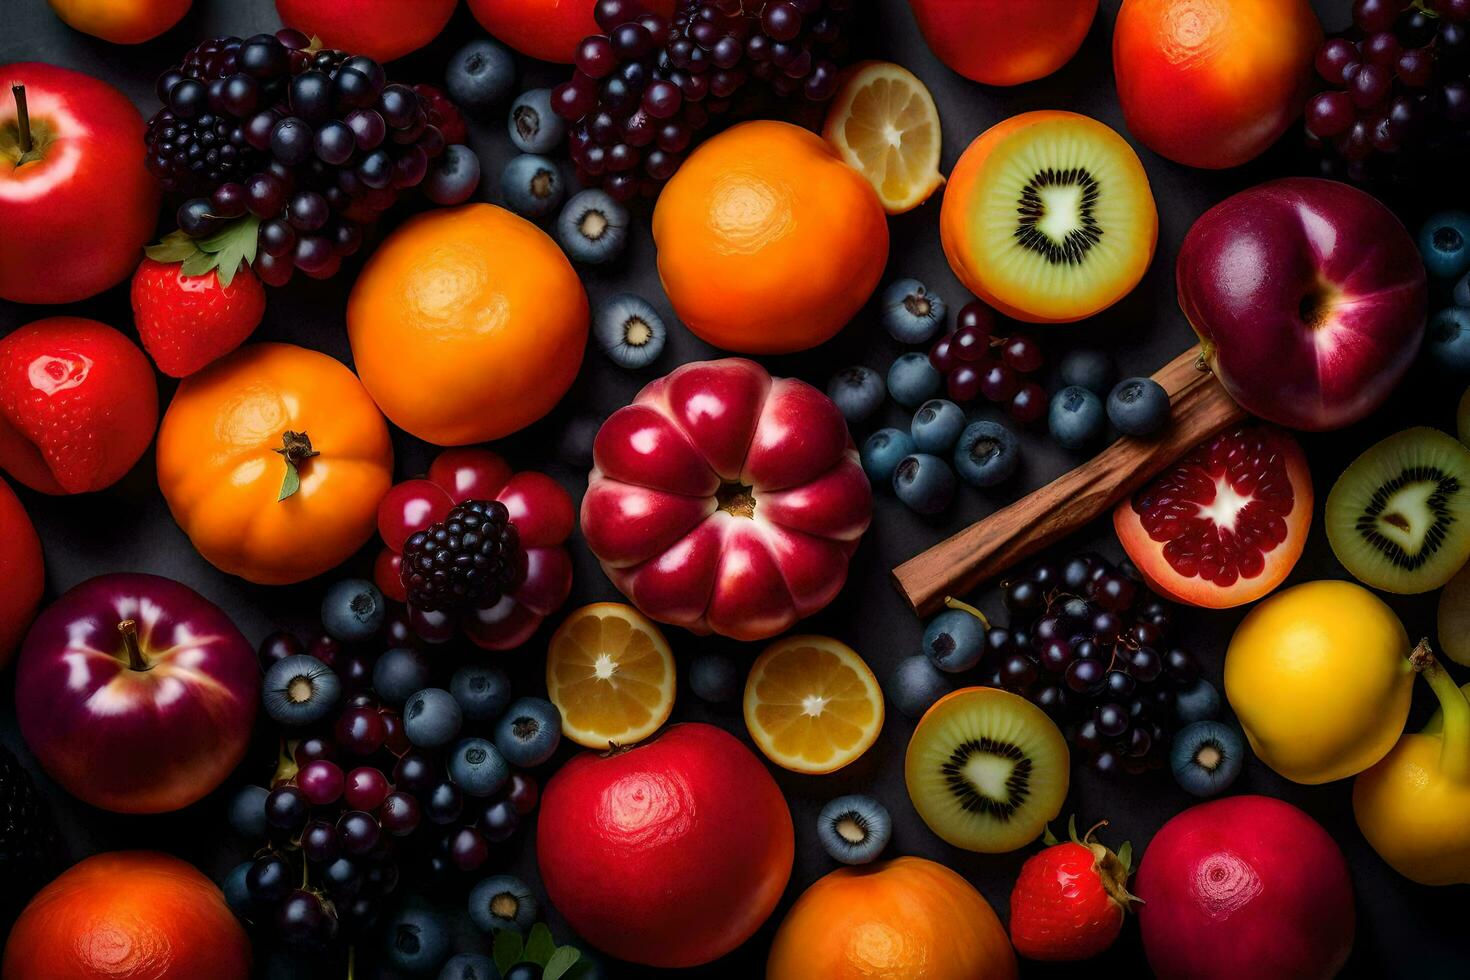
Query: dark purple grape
x=291 y=141
x=630 y=41
x=1329 y=114
x=335 y=142
x=674 y=137
x=370 y=68
x=1120 y=683
x=1416 y=28
x=196 y=219
x=416 y=773
x=1052 y=699
x=1088 y=738
x=1106 y=762
x=821 y=84
x=308 y=211
x=319 y=842
x=1018 y=671
x=240 y=94
x=263 y=57
x=399 y=814
x=1086 y=676
x=166 y=82
x=1370 y=86
x=1415 y=67
x=781 y=20
x=398 y=103
x=286 y=809
x=499 y=821
x=273 y=270
x=468 y=849
x=352 y=90
x=367 y=127
x=269 y=879
x=229 y=200
x=1111 y=719
x=409 y=169
x=444 y=803
x=595 y=57
x=1181 y=666
x=611 y=13
x=572 y=100
x=358 y=832
x=189 y=98
x=662 y=100
x=376 y=170
x=1144 y=664
x=346 y=240
x=292 y=39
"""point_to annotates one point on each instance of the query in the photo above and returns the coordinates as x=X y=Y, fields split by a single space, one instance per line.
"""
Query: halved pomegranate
x=1226 y=523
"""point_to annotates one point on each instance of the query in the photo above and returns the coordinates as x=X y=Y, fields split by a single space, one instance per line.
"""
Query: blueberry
x=911 y=314
x=483 y=692
x=593 y=228
x=524 y=971
x=915 y=685
x=299 y=690
x=1444 y=242
x=237 y=893
x=924 y=483
x=1448 y=341
x=954 y=640
x=1461 y=294
x=854 y=829
x=534 y=125
x=882 y=452
x=1090 y=369
x=399 y=674
x=912 y=380
x=1138 y=407
x=196 y=219
x=857 y=392
x=431 y=718
x=1206 y=757
x=529 y=732
x=477 y=767
x=987 y=454
x=503 y=902
x=453 y=177
x=480 y=75
x=416 y=939
x=1198 y=702
x=1076 y=418
x=630 y=331
x=469 y=966
x=714 y=677
x=353 y=610
x=531 y=185
x=937 y=426
x=247 y=812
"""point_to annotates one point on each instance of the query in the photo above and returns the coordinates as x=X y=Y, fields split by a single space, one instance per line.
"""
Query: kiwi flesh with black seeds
x=986 y=769
x=1399 y=516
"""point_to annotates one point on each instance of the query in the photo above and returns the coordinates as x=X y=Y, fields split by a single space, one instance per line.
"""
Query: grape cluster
x=975 y=362
x=1089 y=644
x=642 y=91
x=1399 y=88
x=313 y=143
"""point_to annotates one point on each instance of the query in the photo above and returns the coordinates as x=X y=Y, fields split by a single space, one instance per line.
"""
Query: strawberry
x=1069 y=900
x=195 y=301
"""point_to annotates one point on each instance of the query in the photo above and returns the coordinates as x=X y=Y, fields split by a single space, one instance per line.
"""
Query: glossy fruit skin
x=136 y=741
x=548 y=30
x=1291 y=651
x=1177 y=63
x=1324 y=244
x=480 y=76
x=766 y=216
x=121 y=21
x=1061 y=909
x=1245 y=886
x=882 y=452
x=667 y=514
x=467 y=324
x=78 y=405
x=128 y=913
x=669 y=854
x=22 y=569
x=222 y=477
x=75 y=220
x=912 y=380
x=905 y=919
x=1001 y=43
x=915 y=685
x=188 y=322
x=380 y=29
x=1196 y=779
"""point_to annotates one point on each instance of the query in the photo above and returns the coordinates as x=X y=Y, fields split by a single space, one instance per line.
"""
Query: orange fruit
x=811 y=704
x=767 y=242
x=906 y=919
x=135 y=914
x=611 y=674
x=467 y=324
x=884 y=123
x=121 y=21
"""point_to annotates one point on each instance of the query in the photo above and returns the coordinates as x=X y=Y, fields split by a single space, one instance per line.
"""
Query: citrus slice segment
x=611 y=674
x=811 y=704
x=884 y=124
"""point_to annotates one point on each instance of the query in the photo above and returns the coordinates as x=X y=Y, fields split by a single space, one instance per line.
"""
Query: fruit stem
x=136 y=661
x=351 y=961
x=954 y=603
x=296 y=448
x=1454 y=753
x=22 y=117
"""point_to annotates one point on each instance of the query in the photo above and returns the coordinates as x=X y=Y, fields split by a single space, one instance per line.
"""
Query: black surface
x=1404 y=930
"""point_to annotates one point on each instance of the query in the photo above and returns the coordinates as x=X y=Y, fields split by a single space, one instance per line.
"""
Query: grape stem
x=136 y=660
x=954 y=603
x=22 y=117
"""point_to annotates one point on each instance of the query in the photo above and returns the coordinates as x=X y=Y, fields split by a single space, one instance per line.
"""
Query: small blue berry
x=416 y=939
x=503 y=902
x=924 y=483
x=1206 y=757
x=1447 y=343
x=911 y=314
x=987 y=454
x=480 y=75
x=469 y=966
x=453 y=177
x=854 y=829
x=912 y=380
x=593 y=228
x=954 y=640
x=431 y=718
x=247 y=812
x=881 y=453
x=529 y=732
x=1198 y=702
x=630 y=331
x=915 y=685
x=1076 y=418
x=1090 y=369
x=714 y=677
x=401 y=673
x=237 y=893
x=1444 y=242
x=937 y=426
x=857 y=392
x=531 y=185
x=483 y=692
x=353 y=610
x=477 y=768
x=1138 y=407
x=534 y=125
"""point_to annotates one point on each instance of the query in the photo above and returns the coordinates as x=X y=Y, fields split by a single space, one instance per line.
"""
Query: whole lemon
x=1320 y=679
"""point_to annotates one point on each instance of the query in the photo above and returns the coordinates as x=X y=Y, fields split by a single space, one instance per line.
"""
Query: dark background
x=1404 y=930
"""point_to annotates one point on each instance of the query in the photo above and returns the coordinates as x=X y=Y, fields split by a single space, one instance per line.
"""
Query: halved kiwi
x=986 y=769
x=1399 y=516
x=1049 y=217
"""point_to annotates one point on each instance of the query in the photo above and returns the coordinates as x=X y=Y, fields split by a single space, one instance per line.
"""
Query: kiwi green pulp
x=1399 y=516
x=986 y=770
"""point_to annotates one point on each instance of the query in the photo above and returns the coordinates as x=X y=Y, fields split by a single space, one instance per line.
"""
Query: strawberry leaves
x=556 y=962
x=221 y=253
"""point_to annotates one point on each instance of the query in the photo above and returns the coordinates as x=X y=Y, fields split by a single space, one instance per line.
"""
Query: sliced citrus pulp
x=811 y=704
x=884 y=124
x=611 y=674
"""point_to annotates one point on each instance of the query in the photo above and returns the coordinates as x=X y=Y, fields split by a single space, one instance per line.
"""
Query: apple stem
x=22 y=116
x=1454 y=757
x=129 y=630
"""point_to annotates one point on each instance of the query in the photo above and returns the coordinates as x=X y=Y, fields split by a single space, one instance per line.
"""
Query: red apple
x=21 y=569
x=381 y=29
x=136 y=693
x=724 y=500
x=1308 y=297
x=1245 y=887
x=78 y=405
x=78 y=206
x=670 y=854
x=1002 y=42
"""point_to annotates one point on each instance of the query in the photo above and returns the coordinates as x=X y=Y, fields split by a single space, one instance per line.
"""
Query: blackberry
x=28 y=844
x=199 y=154
x=214 y=58
x=471 y=558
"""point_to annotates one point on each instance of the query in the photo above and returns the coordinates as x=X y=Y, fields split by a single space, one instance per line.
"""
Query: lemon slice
x=884 y=125
x=811 y=704
x=611 y=674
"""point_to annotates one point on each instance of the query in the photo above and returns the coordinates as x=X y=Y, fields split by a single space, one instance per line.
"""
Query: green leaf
x=175 y=247
x=507 y=950
x=220 y=253
x=198 y=264
x=540 y=946
x=1125 y=857
x=562 y=962
x=296 y=449
x=291 y=483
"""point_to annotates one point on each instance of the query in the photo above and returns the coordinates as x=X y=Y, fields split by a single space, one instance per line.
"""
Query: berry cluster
x=643 y=90
x=975 y=362
x=313 y=144
x=1399 y=88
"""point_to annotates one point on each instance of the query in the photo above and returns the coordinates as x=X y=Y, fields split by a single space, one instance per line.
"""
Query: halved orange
x=811 y=704
x=611 y=674
x=884 y=124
